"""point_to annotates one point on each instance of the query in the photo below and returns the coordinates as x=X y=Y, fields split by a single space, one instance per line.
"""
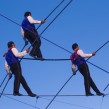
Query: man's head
x=11 y=44
x=75 y=46
x=27 y=14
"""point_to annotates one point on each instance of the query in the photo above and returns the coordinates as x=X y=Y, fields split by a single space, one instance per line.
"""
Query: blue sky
x=85 y=22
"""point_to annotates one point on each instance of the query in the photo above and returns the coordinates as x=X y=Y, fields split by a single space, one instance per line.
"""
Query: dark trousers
x=18 y=78
x=88 y=82
x=32 y=37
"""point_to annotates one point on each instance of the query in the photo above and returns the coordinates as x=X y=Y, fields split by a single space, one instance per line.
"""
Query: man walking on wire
x=78 y=59
x=30 y=33
x=12 y=63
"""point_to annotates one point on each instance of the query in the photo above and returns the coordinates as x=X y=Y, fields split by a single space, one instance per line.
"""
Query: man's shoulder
x=72 y=55
x=14 y=49
x=79 y=51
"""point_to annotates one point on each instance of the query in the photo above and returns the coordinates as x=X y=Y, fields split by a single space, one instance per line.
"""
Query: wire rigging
x=39 y=25
x=101 y=103
x=72 y=76
x=66 y=60
x=98 y=67
x=106 y=87
x=36 y=101
x=37 y=28
x=56 y=45
x=67 y=103
x=4 y=88
x=61 y=48
x=49 y=25
x=43 y=97
x=3 y=80
x=9 y=19
x=21 y=102
x=51 y=12
x=57 y=16
x=62 y=95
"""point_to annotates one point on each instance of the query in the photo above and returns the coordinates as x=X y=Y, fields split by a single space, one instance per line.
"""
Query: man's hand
x=42 y=21
x=10 y=75
x=74 y=72
x=27 y=50
x=26 y=42
x=94 y=53
x=74 y=69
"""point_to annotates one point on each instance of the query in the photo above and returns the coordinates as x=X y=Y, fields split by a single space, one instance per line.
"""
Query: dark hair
x=10 y=44
x=27 y=14
x=74 y=46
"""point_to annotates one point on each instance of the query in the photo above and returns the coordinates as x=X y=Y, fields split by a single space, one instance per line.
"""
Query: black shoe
x=37 y=58
x=89 y=94
x=33 y=56
x=17 y=94
x=32 y=95
x=40 y=58
x=100 y=94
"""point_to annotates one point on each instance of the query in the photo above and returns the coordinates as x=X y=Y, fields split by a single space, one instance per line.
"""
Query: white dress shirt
x=82 y=54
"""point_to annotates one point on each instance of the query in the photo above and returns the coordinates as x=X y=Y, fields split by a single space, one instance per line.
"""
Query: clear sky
x=85 y=22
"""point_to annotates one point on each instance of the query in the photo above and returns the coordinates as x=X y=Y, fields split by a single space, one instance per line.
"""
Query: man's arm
x=22 y=32
x=73 y=67
x=19 y=54
x=7 y=67
x=31 y=20
x=8 y=70
x=84 y=55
